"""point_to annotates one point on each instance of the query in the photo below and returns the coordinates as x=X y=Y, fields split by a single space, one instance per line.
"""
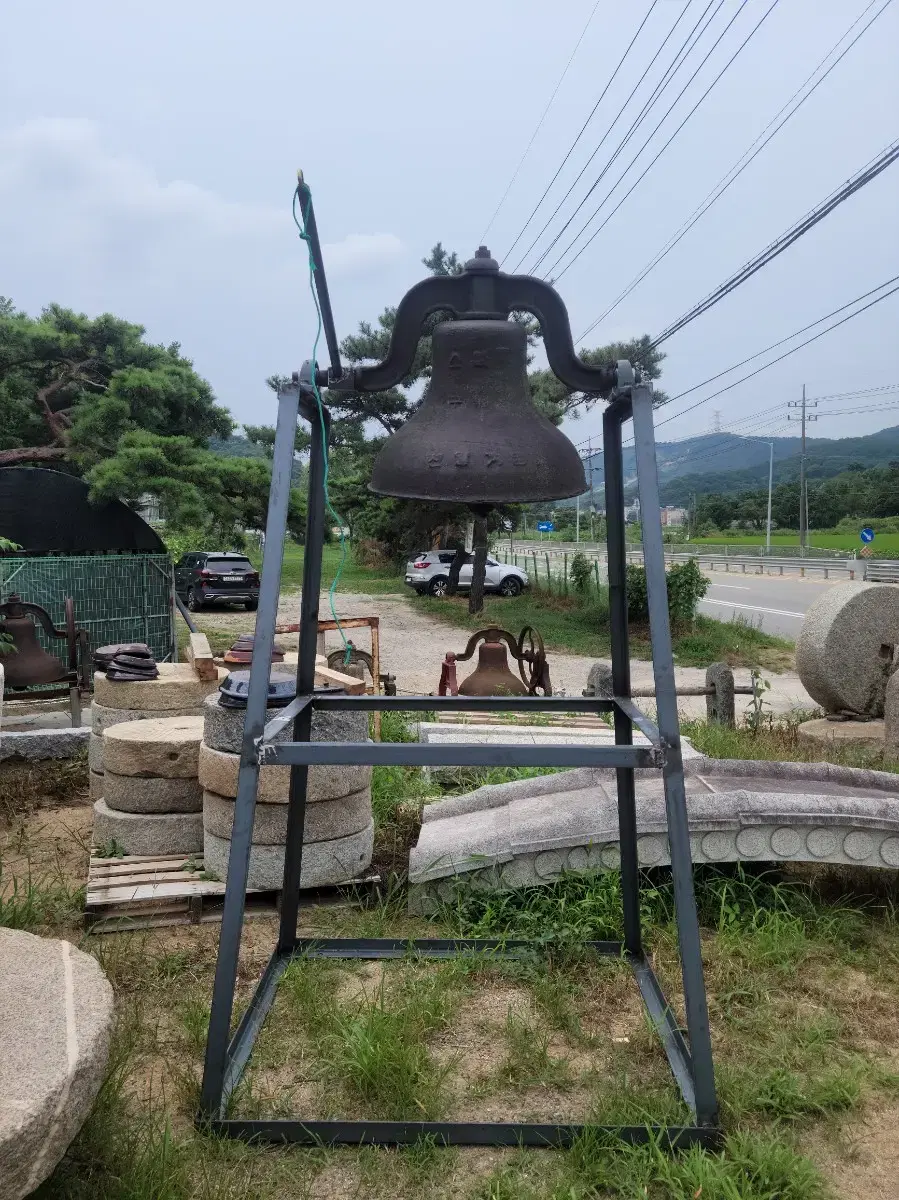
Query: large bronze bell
x=477 y=438
x=29 y=663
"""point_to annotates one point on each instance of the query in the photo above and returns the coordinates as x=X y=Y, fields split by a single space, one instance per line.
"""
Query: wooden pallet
x=146 y=892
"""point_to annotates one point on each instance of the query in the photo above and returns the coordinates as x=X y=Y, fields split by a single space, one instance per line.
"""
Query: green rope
x=301 y=226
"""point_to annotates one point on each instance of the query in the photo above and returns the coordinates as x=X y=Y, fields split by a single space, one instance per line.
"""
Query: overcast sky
x=148 y=155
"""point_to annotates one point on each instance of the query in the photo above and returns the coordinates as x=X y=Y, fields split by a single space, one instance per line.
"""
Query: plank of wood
x=158 y=891
x=349 y=683
x=129 y=866
x=145 y=858
x=199 y=655
x=102 y=882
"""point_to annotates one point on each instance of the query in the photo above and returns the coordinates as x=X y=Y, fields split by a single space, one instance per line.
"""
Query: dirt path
x=413 y=645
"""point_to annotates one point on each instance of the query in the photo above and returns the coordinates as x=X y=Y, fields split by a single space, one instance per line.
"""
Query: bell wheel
x=337 y=659
x=531 y=654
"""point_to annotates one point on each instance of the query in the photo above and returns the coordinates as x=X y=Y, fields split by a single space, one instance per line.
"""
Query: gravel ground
x=413 y=646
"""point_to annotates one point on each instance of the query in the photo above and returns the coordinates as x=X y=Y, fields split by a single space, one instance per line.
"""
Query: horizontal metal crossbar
x=373 y=948
x=458 y=1133
x=395 y=1133
x=475 y=704
x=475 y=754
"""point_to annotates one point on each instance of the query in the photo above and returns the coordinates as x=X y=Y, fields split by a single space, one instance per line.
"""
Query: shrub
x=371 y=553
x=686 y=587
x=581 y=572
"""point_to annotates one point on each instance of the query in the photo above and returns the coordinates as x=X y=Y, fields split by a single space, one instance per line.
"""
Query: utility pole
x=577 y=520
x=770 y=489
x=803 y=483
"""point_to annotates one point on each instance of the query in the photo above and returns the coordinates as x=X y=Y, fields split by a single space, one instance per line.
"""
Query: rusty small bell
x=29 y=663
x=492 y=676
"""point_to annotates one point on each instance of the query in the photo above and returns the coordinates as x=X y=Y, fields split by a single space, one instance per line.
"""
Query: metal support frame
x=689 y=1056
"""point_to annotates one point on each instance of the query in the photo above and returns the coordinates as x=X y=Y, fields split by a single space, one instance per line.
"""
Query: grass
x=353 y=578
x=572 y=626
x=823 y=540
x=803 y=985
x=778 y=741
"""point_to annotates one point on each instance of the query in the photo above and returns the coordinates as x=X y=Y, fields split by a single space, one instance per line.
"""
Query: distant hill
x=236 y=447
x=725 y=463
x=241 y=447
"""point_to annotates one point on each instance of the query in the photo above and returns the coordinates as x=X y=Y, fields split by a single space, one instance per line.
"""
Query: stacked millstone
x=152 y=803
x=338 y=832
x=177 y=692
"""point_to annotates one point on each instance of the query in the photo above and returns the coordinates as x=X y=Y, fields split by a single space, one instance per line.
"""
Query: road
x=775 y=604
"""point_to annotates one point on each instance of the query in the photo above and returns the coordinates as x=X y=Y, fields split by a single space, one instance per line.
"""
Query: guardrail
x=554 y=563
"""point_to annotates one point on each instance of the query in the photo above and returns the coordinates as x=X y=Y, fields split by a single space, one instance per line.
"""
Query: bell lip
x=470 y=500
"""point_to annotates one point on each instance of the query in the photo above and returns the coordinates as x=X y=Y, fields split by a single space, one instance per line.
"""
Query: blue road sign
x=545 y=526
x=867 y=535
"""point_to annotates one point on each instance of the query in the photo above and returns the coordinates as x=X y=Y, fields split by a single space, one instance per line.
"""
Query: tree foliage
x=855 y=492
x=91 y=396
x=557 y=401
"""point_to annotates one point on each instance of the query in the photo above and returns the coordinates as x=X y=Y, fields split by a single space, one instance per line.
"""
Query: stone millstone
x=176 y=688
x=95 y=752
x=137 y=794
x=845 y=650
x=103 y=718
x=218 y=773
x=96 y=785
x=842 y=733
x=325 y=821
x=891 y=717
x=148 y=833
x=57 y=1009
x=324 y=863
x=223 y=727
x=165 y=747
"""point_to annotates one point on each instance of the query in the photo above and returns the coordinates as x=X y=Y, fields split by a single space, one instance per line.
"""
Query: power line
x=787 y=353
x=672 y=69
x=658 y=154
x=743 y=162
x=780 y=342
x=882 y=387
x=688 y=46
x=539 y=125
x=581 y=131
x=854 y=184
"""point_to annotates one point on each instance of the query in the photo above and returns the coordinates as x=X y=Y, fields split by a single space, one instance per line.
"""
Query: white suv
x=429 y=572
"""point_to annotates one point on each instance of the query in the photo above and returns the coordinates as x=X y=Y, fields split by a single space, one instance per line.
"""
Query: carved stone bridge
x=531 y=830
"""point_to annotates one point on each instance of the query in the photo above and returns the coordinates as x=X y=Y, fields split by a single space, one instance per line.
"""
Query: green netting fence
x=118 y=597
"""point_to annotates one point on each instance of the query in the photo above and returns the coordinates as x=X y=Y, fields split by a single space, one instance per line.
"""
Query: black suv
x=215 y=578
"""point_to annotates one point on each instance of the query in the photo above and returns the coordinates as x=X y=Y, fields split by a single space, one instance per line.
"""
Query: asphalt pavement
x=777 y=604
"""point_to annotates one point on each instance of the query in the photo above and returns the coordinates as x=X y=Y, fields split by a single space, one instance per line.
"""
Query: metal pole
x=318 y=275
x=803 y=482
x=673 y=771
x=248 y=775
x=621 y=671
x=302 y=726
x=577 y=520
x=770 y=488
x=803 y=502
